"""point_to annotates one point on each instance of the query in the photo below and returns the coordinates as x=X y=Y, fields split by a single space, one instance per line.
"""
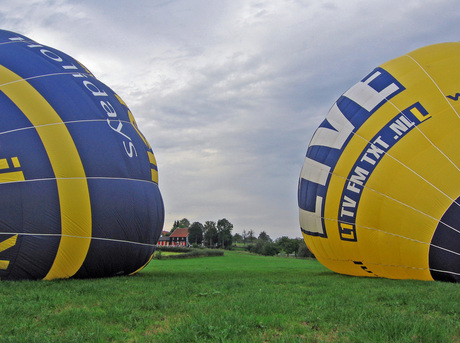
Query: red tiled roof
x=180 y=232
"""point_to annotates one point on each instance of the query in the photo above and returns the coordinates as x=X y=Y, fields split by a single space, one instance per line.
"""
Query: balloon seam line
x=397 y=201
x=450 y=105
x=413 y=171
x=391 y=265
x=396 y=235
x=61 y=123
x=44 y=75
x=79 y=178
x=73 y=236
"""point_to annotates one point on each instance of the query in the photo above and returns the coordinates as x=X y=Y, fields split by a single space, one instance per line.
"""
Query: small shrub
x=265 y=248
x=270 y=249
x=157 y=255
x=258 y=248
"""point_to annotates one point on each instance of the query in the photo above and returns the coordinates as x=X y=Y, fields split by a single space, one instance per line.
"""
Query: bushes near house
x=173 y=248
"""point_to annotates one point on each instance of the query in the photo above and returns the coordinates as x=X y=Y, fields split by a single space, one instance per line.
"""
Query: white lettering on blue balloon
x=346 y=116
x=94 y=90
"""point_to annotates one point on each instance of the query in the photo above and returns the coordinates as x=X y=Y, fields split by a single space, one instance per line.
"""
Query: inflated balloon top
x=379 y=189
x=79 y=190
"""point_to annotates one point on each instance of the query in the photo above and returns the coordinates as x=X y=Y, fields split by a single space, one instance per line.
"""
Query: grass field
x=237 y=297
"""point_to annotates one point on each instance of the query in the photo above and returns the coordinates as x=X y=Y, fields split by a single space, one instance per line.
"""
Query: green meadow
x=238 y=297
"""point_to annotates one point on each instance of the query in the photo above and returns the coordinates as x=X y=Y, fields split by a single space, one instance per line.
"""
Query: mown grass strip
x=238 y=297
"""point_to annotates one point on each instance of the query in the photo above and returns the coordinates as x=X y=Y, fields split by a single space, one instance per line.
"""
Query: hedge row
x=190 y=254
x=173 y=248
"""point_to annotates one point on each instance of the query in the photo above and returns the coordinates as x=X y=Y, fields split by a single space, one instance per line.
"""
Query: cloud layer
x=229 y=93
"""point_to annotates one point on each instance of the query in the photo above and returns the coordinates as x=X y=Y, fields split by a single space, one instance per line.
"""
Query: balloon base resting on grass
x=379 y=189
x=78 y=181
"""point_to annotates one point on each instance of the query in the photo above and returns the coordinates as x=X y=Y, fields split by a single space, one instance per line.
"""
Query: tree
x=237 y=238
x=288 y=245
x=304 y=251
x=251 y=235
x=265 y=248
x=210 y=233
x=244 y=235
x=297 y=242
x=270 y=249
x=263 y=236
x=174 y=227
x=224 y=229
x=195 y=233
x=184 y=222
x=257 y=248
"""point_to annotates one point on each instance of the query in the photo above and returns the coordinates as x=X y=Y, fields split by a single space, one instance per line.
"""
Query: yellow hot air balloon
x=379 y=191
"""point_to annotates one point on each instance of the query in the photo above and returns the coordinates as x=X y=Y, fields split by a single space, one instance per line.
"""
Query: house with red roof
x=179 y=237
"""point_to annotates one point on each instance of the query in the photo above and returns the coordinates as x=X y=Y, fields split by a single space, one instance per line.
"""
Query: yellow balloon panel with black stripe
x=380 y=185
x=78 y=181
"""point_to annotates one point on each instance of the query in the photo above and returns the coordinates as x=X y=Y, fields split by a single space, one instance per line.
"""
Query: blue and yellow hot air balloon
x=79 y=192
x=379 y=191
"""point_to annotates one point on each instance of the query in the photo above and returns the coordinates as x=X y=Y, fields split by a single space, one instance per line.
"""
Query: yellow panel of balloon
x=379 y=190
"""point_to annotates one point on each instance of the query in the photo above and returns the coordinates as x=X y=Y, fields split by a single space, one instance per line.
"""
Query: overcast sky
x=229 y=92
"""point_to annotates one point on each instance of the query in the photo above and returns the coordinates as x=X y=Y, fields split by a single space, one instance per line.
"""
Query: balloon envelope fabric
x=79 y=192
x=380 y=185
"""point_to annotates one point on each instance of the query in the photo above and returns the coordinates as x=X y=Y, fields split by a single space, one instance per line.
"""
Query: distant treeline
x=282 y=245
x=219 y=235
